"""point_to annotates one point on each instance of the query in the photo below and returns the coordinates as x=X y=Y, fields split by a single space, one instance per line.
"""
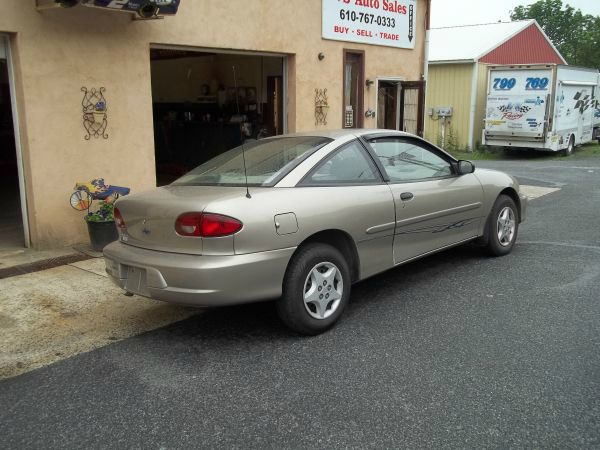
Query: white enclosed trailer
x=545 y=107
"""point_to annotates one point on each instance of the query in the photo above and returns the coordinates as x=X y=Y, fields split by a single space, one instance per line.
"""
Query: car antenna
x=237 y=103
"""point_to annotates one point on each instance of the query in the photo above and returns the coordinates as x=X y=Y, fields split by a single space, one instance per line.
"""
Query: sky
x=447 y=13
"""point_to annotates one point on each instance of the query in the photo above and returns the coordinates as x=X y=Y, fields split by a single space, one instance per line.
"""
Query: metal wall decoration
x=321 y=106
x=95 y=118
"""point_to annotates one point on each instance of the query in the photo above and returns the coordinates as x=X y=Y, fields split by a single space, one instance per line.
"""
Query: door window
x=388 y=105
x=410 y=110
x=349 y=165
x=353 y=89
x=408 y=160
x=412 y=107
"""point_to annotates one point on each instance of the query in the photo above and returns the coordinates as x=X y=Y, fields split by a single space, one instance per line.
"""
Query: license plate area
x=113 y=268
x=136 y=281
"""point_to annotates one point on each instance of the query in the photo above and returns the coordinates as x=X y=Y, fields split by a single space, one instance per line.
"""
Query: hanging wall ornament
x=95 y=117
x=321 y=106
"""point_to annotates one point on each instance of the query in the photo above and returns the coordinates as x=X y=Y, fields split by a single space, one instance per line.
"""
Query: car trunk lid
x=150 y=218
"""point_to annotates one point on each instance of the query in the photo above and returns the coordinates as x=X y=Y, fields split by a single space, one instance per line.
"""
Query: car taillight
x=119 y=219
x=206 y=225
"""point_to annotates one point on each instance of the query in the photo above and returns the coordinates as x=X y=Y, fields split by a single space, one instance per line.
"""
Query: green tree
x=575 y=35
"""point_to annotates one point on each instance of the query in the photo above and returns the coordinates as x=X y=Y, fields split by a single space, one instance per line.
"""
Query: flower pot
x=102 y=234
x=99 y=117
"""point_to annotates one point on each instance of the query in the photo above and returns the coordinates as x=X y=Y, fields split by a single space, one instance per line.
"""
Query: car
x=299 y=218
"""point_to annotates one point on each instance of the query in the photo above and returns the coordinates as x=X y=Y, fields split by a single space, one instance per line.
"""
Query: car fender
x=494 y=183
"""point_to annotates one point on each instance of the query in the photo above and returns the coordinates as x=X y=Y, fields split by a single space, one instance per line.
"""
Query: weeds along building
x=459 y=58
x=88 y=90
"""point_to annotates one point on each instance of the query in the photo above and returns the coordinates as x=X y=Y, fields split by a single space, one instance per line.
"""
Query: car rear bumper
x=197 y=280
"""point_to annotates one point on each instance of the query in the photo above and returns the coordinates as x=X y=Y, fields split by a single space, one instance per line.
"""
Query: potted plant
x=98 y=199
x=101 y=225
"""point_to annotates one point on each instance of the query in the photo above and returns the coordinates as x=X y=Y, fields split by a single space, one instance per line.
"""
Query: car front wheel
x=316 y=289
x=503 y=226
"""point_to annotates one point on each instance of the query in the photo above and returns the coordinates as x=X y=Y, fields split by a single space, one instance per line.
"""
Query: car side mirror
x=465 y=167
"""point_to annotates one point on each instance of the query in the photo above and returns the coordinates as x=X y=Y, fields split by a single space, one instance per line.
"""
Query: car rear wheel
x=503 y=226
x=316 y=289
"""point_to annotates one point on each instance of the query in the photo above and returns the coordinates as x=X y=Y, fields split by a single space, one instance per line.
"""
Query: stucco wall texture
x=59 y=51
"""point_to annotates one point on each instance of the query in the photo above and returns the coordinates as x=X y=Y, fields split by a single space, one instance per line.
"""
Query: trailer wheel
x=569 y=150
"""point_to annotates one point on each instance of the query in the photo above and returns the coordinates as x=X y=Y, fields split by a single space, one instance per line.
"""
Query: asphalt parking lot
x=455 y=350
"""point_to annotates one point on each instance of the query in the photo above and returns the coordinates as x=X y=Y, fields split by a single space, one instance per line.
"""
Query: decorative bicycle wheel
x=81 y=200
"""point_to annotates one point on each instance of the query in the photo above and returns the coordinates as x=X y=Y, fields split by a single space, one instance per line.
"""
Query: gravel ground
x=53 y=314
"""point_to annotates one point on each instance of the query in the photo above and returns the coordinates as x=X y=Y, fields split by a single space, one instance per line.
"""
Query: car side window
x=408 y=160
x=349 y=165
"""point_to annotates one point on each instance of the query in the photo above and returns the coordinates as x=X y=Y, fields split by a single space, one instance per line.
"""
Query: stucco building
x=164 y=95
x=459 y=58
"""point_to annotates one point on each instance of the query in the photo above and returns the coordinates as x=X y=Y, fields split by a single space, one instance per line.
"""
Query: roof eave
x=452 y=61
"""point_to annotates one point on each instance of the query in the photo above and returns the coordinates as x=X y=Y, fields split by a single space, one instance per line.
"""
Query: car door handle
x=406 y=196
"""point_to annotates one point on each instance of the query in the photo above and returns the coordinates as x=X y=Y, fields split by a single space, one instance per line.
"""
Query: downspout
x=473 y=105
x=426 y=59
x=427 y=26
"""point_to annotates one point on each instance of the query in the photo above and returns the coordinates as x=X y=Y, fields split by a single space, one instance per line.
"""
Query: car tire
x=502 y=227
x=569 y=150
x=316 y=289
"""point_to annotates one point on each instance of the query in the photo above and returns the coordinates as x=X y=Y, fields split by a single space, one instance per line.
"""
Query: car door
x=435 y=207
x=347 y=192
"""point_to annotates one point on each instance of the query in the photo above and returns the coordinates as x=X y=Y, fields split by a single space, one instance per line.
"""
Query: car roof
x=340 y=133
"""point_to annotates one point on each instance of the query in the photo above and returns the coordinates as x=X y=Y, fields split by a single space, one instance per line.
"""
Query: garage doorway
x=400 y=105
x=206 y=102
x=14 y=233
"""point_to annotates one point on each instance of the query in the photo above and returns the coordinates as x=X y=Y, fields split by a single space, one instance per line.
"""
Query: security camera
x=67 y=3
x=148 y=10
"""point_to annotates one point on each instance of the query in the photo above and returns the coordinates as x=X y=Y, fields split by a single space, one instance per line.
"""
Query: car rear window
x=267 y=162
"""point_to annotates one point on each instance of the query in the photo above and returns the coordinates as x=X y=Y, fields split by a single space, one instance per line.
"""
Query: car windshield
x=267 y=161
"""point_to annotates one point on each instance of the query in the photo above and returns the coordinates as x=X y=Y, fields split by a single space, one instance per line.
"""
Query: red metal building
x=528 y=46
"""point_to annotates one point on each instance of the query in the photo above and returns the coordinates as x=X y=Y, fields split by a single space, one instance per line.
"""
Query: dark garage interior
x=11 y=222
x=205 y=103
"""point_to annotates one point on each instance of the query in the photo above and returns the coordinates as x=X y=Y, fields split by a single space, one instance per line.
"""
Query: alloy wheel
x=506 y=226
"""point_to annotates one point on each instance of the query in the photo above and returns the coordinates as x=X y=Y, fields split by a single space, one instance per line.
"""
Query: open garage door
x=204 y=107
x=14 y=233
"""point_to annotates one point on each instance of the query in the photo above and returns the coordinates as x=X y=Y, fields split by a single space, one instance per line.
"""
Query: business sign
x=378 y=22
